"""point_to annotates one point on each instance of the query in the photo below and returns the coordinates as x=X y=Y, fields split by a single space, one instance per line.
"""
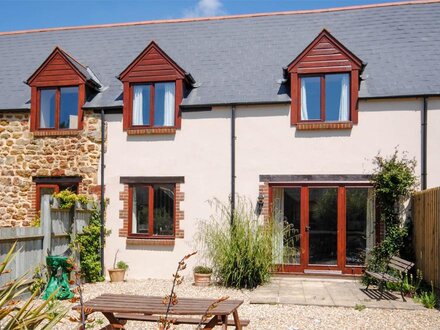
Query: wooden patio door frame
x=304 y=222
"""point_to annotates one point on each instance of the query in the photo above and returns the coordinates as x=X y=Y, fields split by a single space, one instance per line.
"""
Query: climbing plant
x=394 y=181
x=89 y=246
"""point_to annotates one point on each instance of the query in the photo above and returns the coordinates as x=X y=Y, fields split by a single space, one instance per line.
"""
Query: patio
x=334 y=292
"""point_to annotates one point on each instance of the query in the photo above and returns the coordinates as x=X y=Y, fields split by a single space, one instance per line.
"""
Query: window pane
x=163 y=210
x=337 y=97
x=360 y=224
x=69 y=107
x=141 y=105
x=47 y=108
x=140 y=219
x=164 y=104
x=323 y=223
x=310 y=98
x=292 y=217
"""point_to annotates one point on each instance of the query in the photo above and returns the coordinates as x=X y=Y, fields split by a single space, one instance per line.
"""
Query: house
x=286 y=109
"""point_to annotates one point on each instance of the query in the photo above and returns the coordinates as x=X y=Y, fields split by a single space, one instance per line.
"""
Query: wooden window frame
x=150 y=234
x=152 y=97
x=58 y=109
x=318 y=59
x=323 y=92
x=341 y=263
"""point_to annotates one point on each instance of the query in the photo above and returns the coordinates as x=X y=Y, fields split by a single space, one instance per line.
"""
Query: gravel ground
x=288 y=317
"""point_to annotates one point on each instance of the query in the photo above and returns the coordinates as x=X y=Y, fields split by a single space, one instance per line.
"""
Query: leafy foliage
x=202 y=270
x=241 y=253
x=68 y=198
x=27 y=314
x=122 y=265
x=39 y=279
x=410 y=284
x=427 y=298
x=89 y=248
x=394 y=181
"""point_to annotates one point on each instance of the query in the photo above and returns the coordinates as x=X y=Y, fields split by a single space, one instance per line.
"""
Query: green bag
x=59 y=278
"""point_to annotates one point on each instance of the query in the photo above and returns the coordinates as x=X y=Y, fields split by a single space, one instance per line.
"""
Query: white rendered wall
x=266 y=144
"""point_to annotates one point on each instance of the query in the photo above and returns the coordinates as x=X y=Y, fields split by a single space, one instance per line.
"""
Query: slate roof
x=240 y=60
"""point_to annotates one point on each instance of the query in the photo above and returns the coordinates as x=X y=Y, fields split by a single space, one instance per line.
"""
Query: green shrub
x=122 y=265
x=394 y=181
x=89 y=248
x=202 y=270
x=39 y=279
x=427 y=298
x=410 y=284
x=241 y=254
x=68 y=198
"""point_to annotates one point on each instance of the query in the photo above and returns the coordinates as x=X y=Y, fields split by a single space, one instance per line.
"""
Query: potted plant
x=117 y=273
x=202 y=276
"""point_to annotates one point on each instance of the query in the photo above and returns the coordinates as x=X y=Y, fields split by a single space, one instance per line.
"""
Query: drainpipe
x=102 y=190
x=424 y=141
x=233 y=138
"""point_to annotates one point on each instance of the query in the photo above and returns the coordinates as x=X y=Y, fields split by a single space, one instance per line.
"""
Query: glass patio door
x=322 y=227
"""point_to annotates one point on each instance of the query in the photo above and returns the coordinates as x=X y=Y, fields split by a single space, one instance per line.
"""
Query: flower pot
x=116 y=275
x=202 y=279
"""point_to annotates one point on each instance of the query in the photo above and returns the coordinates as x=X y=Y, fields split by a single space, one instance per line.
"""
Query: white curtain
x=137 y=106
x=371 y=216
x=45 y=109
x=134 y=215
x=278 y=226
x=169 y=105
x=343 y=104
x=304 y=114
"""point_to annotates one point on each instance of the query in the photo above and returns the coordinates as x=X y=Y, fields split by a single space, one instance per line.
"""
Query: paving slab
x=327 y=292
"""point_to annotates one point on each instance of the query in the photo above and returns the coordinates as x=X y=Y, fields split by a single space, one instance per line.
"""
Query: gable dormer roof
x=325 y=53
x=153 y=64
x=60 y=66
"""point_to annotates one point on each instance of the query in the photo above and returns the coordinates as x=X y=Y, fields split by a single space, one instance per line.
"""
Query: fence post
x=46 y=223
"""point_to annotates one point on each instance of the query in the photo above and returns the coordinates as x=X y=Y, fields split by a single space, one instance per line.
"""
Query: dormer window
x=58 y=92
x=325 y=97
x=154 y=105
x=58 y=108
x=153 y=91
x=324 y=85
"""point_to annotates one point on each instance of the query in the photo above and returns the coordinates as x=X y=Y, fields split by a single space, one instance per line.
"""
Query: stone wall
x=24 y=155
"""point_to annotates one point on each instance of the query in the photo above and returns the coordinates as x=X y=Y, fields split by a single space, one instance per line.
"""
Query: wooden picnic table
x=119 y=308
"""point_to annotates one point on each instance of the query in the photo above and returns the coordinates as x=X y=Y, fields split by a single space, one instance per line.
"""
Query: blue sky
x=33 y=14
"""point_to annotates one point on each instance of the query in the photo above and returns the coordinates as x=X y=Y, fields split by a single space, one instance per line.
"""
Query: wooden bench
x=396 y=263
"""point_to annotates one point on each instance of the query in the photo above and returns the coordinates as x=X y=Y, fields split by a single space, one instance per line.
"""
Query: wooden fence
x=426 y=218
x=57 y=228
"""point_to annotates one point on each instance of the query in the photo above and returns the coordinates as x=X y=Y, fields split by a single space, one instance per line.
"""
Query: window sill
x=151 y=130
x=150 y=241
x=308 y=126
x=57 y=133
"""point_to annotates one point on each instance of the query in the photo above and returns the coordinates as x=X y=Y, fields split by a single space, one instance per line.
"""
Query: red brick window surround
x=153 y=91
x=324 y=82
x=58 y=89
x=151 y=213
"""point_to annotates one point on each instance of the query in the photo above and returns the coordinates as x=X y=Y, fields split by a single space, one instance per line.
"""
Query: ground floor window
x=152 y=210
x=322 y=227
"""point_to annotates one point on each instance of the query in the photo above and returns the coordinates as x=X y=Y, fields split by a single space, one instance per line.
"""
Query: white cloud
x=205 y=8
